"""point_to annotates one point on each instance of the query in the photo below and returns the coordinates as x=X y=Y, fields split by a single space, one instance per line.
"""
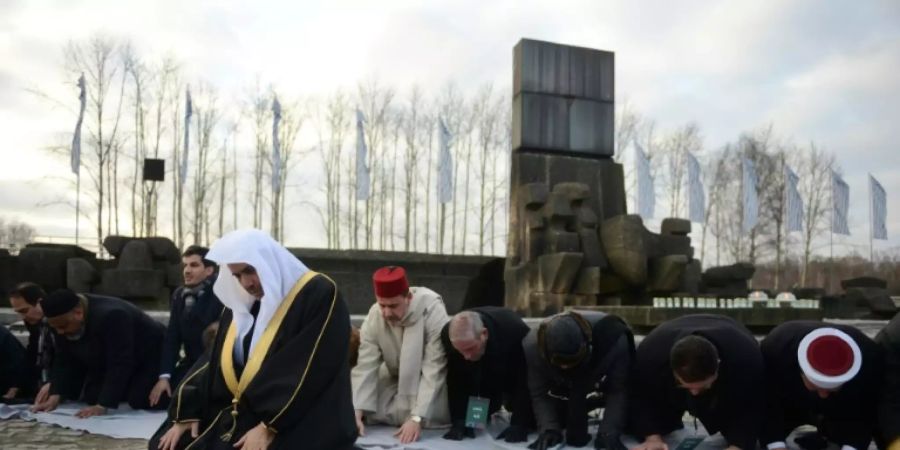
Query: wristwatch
x=416 y=419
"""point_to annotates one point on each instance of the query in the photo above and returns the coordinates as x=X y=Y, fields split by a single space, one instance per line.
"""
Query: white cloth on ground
x=122 y=423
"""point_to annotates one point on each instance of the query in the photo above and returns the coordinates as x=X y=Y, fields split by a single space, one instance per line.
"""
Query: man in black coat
x=277 y=376
x=112 y=342
x=485 y=359
x=705 y=364
x=25 y=300
x=573 y=356
x=889 y=407
x=193 y=308
x=821 y=374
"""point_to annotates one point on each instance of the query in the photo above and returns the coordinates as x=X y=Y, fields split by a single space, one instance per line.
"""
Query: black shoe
x=811 y=441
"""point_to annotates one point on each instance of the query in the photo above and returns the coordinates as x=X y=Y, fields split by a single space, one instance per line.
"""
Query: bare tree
x=292 y=119
x=206 y=115
x=814 y=173
x=95 y=58
x=256 y=110
x=375 y=102
x=135 y=68
x=411 y=132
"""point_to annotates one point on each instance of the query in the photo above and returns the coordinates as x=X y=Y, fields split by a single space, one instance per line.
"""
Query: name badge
x=477 y=412
x=690 y=443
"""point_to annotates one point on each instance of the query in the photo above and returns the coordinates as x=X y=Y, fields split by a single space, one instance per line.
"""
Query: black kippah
x=59 y=302
x=564 y=341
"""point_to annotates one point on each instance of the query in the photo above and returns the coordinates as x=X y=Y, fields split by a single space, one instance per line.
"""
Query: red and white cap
x=829 y=357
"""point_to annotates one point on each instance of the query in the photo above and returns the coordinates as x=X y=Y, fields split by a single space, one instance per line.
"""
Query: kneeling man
x=485 y=360
x=277 y=375
x=821 y=374
x=399 y=378
x=708 y=365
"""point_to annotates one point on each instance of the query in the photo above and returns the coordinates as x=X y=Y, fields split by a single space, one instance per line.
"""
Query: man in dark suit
x=822 y=374
x=112 y=342
x=12 y=356
x=193 y=308
x=485 y=359
x=706 y=364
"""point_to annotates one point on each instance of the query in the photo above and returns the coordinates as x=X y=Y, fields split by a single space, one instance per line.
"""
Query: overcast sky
x=818 y=71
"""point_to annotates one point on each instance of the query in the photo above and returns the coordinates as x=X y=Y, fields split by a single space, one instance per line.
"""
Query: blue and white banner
x=646 y=198
x=188 y=112
x=840 y=205
x=793 y=203
x=696 y=194
x=750 y=195
x=445 y=164
x=362 y=170
x=276 y=146
x=76 y=138
x=879 y=209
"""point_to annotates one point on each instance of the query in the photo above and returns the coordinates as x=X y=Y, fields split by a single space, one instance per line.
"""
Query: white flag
x=76 y=139
x=276 y=146
x=751 y=199
x=445 y=164
x=793 y=203
x=646 y=198
x=696 y=194
x=188 y=112
x=879 y=209
x=362 y=171
x=840 y=205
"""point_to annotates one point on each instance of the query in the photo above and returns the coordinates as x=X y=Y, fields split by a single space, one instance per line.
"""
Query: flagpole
x=77 y=203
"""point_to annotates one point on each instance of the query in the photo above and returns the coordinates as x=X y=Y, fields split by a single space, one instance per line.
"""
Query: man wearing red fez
x=399 y=378
x=825 y=375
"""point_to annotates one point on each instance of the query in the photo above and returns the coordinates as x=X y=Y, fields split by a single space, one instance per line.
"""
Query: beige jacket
x=396 y=377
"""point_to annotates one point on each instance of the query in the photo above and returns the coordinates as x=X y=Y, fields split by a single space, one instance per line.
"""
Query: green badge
x=690 y=443
x=477 y=412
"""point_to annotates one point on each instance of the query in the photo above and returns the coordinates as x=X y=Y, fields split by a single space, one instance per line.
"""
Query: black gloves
x=811 y=441
x=608 y=441
x=547 y=439
x=514 y=433
x=577 y=438
x=458 y=432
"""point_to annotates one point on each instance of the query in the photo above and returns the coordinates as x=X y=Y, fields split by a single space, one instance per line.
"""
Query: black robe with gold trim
x=301 y=390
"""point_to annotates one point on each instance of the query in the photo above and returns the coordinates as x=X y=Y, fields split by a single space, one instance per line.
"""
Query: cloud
x=815 y=71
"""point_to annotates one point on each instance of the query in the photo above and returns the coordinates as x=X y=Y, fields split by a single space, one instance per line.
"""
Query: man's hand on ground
x=11 y=393
x=169 y=441
x=91 y=411
x=161 y=386
x=42 y=395
x=360 y=426
x=409 y=432
x=47 y=405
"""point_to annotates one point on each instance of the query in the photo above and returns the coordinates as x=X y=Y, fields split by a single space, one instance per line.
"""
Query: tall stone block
x=563 y=99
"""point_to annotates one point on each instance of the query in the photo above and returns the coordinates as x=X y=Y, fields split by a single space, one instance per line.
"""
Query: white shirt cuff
x=847 y=447
x=165 y=375
x=777 y=444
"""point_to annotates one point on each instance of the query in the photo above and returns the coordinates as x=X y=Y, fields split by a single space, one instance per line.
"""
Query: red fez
x=829 y=357
x=390 y=282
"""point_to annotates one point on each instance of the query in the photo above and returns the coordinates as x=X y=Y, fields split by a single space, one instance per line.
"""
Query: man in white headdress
x=277 y=375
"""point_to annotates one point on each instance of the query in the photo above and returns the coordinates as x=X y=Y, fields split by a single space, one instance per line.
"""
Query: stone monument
x=571 y=242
